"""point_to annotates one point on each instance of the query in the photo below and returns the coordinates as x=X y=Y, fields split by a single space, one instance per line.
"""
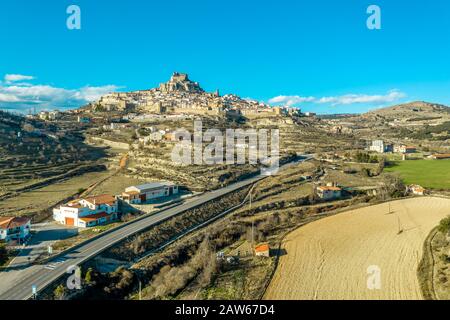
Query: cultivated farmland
x=329 y=258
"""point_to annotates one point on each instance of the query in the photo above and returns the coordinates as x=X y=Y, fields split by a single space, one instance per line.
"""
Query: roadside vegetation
x=434 y=269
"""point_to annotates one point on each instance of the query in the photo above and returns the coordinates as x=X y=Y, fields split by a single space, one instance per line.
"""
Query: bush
x=172 y=279
x=445 y=258
x=444 y=225
x=88 y=276
x=60 y=292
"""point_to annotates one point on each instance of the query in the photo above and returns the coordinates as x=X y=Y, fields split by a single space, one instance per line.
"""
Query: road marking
x=54 y=264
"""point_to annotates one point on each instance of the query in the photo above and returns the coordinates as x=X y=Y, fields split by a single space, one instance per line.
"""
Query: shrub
x=88 y=276
x=444 y=225
x=60 y=292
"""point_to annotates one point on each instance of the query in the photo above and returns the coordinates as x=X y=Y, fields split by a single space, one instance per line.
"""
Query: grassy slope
x=427 y=173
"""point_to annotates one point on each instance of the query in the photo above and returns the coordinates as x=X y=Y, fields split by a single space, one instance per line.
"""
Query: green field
x=431 y=174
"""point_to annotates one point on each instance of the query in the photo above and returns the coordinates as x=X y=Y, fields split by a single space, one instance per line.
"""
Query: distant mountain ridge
x=411 y=107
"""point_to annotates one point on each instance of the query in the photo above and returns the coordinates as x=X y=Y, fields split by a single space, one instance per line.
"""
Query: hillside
x=33 y=152
x=180 y=95
x=411 y=111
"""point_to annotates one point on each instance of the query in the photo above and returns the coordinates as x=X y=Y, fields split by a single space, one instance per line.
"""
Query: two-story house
x=87 y=212
x=15 y=229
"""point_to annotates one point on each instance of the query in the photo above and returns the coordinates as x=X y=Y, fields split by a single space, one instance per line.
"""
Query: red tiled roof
x=94 y=217
x=324 y=188
x=441 y=156
x=262 y=248
x=13 y=222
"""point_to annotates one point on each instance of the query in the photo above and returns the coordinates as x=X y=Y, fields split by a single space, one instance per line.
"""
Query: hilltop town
x=180 y=95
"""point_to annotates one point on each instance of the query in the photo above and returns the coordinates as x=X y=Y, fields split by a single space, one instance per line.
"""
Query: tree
x=88 y=276
x=444 y=225
x=381 y=165
x=366 y=172
x=392 y=187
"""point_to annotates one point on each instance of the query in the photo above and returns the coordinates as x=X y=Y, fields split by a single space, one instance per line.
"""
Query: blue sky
x=317 y=54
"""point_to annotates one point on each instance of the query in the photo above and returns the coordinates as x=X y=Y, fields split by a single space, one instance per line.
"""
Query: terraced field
x=37 y=155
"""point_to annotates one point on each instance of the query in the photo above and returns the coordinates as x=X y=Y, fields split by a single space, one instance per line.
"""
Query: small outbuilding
x=262 y=250
x=143 y=193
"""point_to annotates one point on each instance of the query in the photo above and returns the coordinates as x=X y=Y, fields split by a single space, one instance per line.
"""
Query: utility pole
x=140 y=290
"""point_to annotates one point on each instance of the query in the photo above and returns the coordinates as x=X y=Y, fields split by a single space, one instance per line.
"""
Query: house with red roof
x=15 y=229
x=88 y=212
x=329 y=192
x=262 y=250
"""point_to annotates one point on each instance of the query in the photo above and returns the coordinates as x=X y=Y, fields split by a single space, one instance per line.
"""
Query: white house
x=143 y=193
x=380 y=146
x=329 y=192
x=417 y=190
x=15 y=228
x=404 y=149
x=88 y=212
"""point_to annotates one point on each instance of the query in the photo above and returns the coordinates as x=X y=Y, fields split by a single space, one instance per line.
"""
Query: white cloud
x=290 y=100
x=22 y=96
x=17 y=77
x=8 y=98
x=391 y=96
x=94 y=93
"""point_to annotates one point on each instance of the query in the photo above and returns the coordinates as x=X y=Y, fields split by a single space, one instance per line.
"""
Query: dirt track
x=328 y=259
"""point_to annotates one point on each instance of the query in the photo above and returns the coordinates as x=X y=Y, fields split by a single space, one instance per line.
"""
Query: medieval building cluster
x=180 y=95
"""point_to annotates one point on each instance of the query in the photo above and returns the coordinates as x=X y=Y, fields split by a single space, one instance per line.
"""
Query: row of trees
x=364 y=157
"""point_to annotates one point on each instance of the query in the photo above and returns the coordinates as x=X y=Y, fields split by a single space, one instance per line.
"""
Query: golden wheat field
x=329 y=258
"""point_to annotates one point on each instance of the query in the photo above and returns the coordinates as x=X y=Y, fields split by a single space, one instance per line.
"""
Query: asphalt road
x=43 y=275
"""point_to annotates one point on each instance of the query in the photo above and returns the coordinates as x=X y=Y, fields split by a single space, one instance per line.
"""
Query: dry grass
x=28 y=203
x=441 y=275
x=328 y=259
